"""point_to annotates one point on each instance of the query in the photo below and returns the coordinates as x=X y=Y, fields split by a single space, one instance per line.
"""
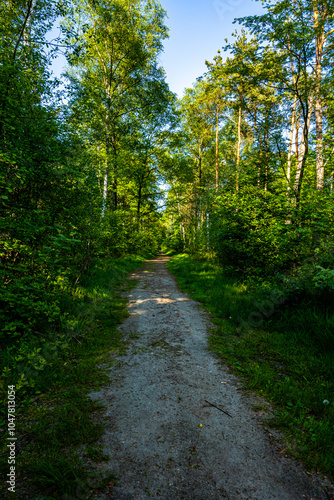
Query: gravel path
x=163 y=437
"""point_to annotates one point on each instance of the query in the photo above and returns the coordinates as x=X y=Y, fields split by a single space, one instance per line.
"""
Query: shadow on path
x=163 y=438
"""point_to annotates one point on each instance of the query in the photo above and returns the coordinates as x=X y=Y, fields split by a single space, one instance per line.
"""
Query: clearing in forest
x=178 y=423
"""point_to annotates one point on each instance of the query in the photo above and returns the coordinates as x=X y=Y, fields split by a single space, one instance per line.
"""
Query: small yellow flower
x=201 y=425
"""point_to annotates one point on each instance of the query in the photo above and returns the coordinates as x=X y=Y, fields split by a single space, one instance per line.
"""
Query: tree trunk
x=115 y=179
x=297 y=136
x=238 y=151
x=198 y=191
x=319 y=45
x=267 y=158
x=260 y=149
x=303 y=150
x=28 y=21
x=200 y=163
x=292 y=129
x=217 y=148
x=319 y=147
x=99 y=170
x=139 y=203
x=114 y=193
x=208 y=232
x=105 y=177
x=182 y=230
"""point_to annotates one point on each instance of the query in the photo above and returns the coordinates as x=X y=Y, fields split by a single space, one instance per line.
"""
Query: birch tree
x=116 y=48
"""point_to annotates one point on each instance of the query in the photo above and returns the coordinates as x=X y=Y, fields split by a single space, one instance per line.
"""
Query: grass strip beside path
x=57 y=425
x=281 y=365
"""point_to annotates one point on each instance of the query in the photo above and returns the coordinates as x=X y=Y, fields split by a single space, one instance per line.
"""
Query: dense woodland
x=108 y=162
x=81 y=165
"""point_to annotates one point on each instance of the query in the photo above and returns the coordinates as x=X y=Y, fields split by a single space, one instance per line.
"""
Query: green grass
x=283 y=352
x=57 y=425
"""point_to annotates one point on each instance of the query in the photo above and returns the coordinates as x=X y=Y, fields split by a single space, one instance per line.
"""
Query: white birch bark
x=238 y=151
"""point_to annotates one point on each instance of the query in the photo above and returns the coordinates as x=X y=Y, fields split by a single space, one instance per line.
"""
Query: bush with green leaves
x=122 y=234
x=258 y=233
x=247 y=231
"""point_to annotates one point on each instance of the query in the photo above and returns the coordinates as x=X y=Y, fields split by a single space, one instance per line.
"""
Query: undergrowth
x=284 y=352
x=57 y=424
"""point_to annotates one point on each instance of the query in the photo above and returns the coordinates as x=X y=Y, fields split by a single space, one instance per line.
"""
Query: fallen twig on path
x=211 y=404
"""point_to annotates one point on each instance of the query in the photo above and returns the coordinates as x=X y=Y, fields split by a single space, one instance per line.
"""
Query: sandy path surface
x=156 y=404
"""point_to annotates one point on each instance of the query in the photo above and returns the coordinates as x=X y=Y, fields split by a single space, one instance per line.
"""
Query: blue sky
x=197 y=30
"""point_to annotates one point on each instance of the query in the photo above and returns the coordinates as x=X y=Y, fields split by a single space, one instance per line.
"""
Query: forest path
x=156 y=401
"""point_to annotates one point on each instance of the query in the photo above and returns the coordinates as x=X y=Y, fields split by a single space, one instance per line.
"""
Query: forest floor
x=178 y=423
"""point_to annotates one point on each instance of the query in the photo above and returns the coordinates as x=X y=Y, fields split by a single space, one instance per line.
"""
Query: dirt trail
x=156 y=402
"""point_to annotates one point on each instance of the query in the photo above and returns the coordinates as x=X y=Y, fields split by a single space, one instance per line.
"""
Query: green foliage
x=42 y=225
x=173 y=240
x=81 y=185
x=258 y=234
x=56 y=475
x=287 y=357
x=225 y=297
x=121 y=235
x=59 y=424
x=51 y=181
x=249 y=231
